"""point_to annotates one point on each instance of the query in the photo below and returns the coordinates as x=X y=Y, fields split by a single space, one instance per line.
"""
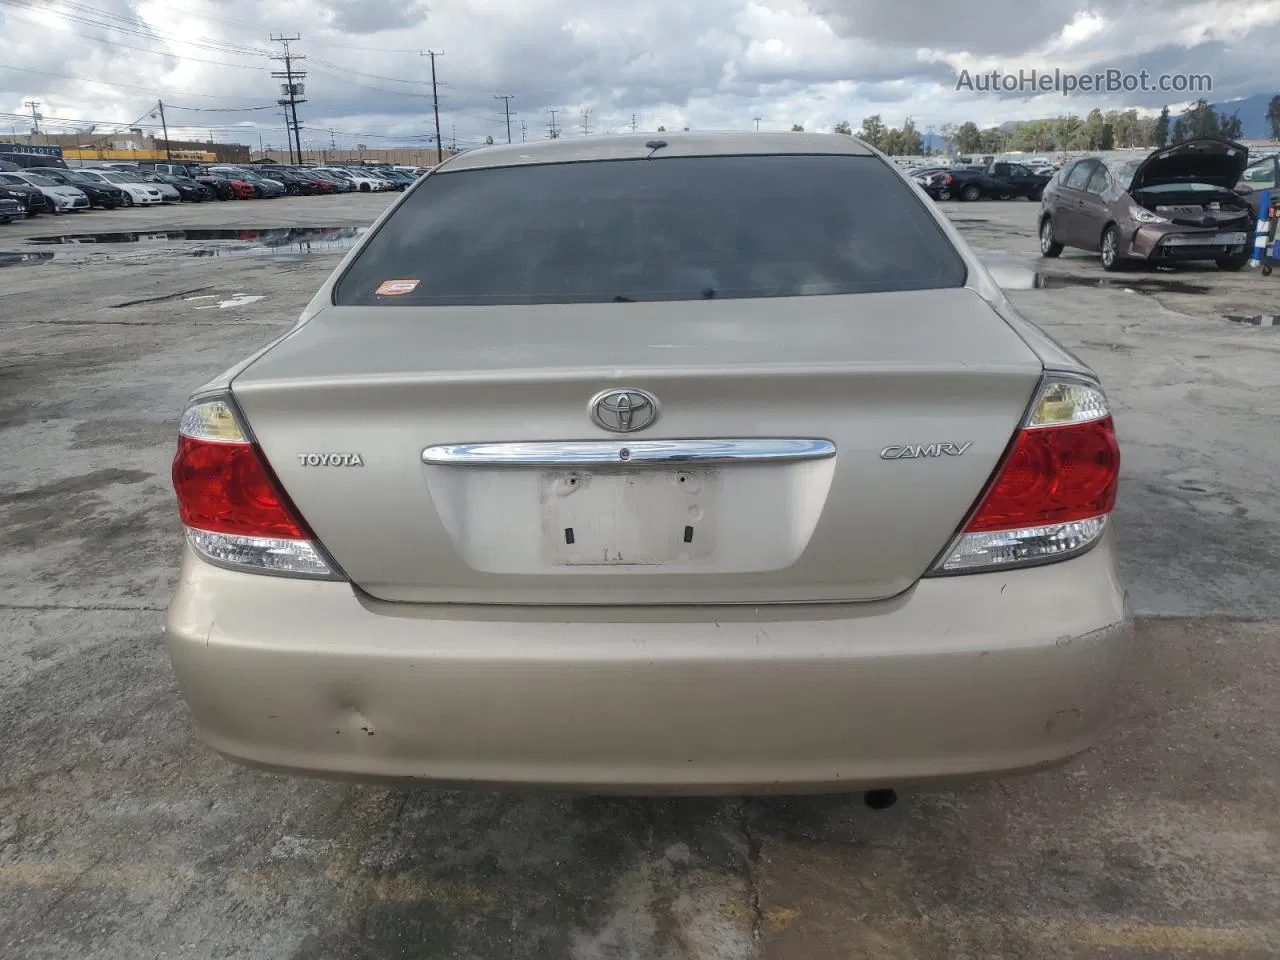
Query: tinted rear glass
x=683 y=228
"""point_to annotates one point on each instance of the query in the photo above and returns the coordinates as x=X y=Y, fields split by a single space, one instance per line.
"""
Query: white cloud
x=713 y=64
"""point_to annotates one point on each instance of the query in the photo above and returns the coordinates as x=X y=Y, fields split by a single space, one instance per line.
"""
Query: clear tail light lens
x=1054 y=489
x=235 y=513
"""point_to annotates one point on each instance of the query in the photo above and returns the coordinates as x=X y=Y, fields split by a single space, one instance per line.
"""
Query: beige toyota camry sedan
x=675 y=463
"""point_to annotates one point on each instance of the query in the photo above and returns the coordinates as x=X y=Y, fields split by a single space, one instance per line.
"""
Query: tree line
x=1096 y=131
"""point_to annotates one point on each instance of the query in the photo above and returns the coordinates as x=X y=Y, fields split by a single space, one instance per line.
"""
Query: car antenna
x=654 y=146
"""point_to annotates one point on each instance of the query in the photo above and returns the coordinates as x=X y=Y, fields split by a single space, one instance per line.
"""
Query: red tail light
x=227 y=488
x=232 y=505
x=1054 y=489
x=1053 y=475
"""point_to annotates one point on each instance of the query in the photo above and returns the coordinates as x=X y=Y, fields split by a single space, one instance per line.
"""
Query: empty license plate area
x=616 y=516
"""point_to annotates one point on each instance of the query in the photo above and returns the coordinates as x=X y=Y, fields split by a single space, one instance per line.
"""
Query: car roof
x=634 y=146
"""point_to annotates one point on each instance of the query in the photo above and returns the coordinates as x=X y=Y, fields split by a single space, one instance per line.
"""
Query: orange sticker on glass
x=397 y=288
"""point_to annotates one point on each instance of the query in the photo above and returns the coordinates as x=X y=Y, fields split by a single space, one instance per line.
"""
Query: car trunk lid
x=901 y=405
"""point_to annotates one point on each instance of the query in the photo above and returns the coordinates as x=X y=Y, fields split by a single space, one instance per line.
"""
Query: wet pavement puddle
x=229 y=242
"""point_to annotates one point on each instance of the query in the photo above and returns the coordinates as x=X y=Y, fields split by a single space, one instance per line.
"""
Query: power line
x=365 y=86
x=103 y=19
x=358 y=73
x=269 y=106
x=258 y=24
x=104 y=83
x=115 y=43
x=506 y=99
x=63 y=121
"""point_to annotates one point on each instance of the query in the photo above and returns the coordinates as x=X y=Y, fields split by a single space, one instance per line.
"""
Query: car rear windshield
x=683 y=228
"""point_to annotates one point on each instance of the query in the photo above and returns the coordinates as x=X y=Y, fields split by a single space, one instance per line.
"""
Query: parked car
x=402 y=179
x=319 y=185
x=295 y=184
x=168 y=192
x=998 y=180
x=440 y=532
x=11 y=162
x=263 y=187
x=136 y=191
x=1259 y=177
x=220 y=187
x=241 y=187
x=187 y=188
x=393 y=180
x=63 y=199
x=929 y=178
x=104 y=195
x=11 y=210
x=359 y=181
x=1178 y=204
x=171 y=168
x=32 y=200
x=338 y=184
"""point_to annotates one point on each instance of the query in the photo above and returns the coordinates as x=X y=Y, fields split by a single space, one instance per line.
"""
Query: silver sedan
x=675 y=463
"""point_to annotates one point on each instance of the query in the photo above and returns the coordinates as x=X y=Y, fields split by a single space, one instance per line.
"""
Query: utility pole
x=35 y=117
x=292 y=90
x=435 y=99
x=524 y=130
x=634 y=123
x=757 y=120
x=288 y=134
x=168 y=154
x=553 y=133
x=506 y=99
x=586 y=123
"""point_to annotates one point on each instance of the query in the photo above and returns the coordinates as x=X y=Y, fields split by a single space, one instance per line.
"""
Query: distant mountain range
x=1253 y=115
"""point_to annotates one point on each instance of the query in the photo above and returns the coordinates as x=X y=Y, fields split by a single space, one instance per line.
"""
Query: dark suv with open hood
x=1178 y=204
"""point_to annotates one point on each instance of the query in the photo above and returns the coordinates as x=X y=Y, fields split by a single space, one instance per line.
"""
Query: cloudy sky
x=712 y=64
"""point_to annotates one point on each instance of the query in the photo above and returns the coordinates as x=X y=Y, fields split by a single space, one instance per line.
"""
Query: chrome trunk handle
x=613 y=452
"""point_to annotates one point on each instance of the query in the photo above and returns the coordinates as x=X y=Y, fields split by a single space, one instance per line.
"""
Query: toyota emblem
x=624 y=410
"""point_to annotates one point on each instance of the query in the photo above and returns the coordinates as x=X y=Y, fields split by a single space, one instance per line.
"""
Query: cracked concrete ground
x=121 y=836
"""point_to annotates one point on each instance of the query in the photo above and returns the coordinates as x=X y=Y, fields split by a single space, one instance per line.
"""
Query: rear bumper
x=960 y=676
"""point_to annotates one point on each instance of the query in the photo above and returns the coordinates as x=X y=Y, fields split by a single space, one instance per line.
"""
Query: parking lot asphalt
x=121 y=836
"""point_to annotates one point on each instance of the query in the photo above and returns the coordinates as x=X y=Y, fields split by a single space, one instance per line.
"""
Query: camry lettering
x=916 y=451
x=330 y=460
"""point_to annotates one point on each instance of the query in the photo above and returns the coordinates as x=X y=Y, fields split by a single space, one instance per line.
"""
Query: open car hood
x=1207 y=160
